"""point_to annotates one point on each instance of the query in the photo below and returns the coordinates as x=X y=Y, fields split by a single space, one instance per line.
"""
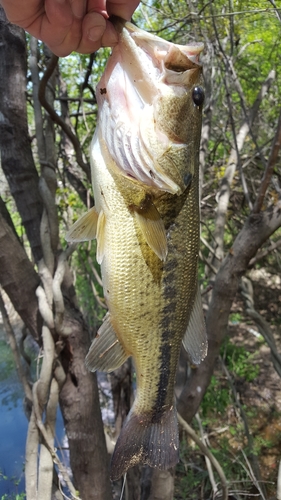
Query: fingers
x=79 y=8
x=23 y=14
x=70 y=25
x=94 y=27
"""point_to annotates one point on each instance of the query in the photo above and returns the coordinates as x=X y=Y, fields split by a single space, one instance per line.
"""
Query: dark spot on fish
x=198 y=96
x=169 y=308
x=187 y=179
x=165 y=356
x=165 y=324
x=103 y=91
x=151 y=174
x=107 y=291
x=171 y=265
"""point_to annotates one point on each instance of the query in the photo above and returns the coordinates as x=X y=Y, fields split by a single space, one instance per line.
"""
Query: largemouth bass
x=144 y=158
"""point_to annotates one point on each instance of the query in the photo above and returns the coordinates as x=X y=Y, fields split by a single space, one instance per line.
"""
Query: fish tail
x=150 y=439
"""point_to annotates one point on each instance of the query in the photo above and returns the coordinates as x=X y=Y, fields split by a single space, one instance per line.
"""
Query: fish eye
x=198 y=96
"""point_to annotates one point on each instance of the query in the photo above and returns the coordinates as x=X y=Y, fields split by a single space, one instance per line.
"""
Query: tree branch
x=56 y=118
x=208 y=454
x=276 y=144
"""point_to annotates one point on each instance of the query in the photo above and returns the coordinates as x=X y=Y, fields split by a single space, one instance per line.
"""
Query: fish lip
x=169 y=63
x=191 y=50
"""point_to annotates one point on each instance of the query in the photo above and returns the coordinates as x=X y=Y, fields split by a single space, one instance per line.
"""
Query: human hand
x=70 y=25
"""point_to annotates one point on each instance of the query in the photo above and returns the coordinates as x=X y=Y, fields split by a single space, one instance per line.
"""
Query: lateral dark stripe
x=166 y=322
x=159 y=406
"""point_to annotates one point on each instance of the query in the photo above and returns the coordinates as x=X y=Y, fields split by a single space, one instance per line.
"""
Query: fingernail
x=96 y=33
x=78 y=8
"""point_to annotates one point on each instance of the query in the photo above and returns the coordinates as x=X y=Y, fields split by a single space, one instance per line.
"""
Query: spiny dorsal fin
x=85 y=228
x=152 y=228
x=106 y=352
x=195 y=338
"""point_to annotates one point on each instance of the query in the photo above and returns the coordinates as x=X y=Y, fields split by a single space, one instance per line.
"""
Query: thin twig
x=208 y=454
x=255 y=476
x=269 y=168
x=57 y=119
x=279 y=482
x=263 y=253
x=207 y=460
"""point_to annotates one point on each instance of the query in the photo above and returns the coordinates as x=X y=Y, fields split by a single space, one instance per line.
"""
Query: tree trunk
x=82 y=417
x=16 y=156
x=18 y=278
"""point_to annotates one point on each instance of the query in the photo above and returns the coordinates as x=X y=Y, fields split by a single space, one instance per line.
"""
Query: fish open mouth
x=143 y=73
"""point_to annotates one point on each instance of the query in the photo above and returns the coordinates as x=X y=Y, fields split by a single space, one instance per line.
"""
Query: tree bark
x=82 y=417
x=16 y=156
x=18 y=278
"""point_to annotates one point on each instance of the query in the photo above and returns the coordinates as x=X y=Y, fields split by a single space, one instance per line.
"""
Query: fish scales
x=147 y=228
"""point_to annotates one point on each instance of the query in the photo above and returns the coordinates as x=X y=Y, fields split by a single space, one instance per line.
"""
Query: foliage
x=239 y=361
x=15 y=481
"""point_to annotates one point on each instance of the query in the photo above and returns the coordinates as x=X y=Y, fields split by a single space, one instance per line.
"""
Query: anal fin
x=85 y=228
x=195 y=339
x=153 y=229
x=106 y=352
x=146 y=440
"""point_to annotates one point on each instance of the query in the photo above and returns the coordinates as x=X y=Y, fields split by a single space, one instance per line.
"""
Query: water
x=13 y=427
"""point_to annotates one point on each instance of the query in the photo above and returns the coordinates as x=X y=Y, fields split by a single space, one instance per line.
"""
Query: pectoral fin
x=152 y=228
x=85 y=228
x=90 y=226
x=195 y=338
x=106 y=352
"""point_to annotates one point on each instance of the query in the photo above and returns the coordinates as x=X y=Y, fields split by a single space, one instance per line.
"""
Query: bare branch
x=263 y=253
x=208 y=454
x=233 y=161
x=207 y=460
x=56 y=118
x=263 y=326
x=254 y=466
x=269 y=168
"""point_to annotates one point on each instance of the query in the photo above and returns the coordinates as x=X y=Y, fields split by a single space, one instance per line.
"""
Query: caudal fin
x=146 y=439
